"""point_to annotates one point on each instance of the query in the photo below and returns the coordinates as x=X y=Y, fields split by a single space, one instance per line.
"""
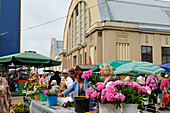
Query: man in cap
x=66 y=81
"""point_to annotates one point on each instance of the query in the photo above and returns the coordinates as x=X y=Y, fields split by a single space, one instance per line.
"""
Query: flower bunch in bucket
x=133 y=92
x=91 y=77
x=51 y=92
x=105 y=94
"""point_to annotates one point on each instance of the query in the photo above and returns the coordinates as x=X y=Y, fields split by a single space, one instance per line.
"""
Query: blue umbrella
x=165 y=66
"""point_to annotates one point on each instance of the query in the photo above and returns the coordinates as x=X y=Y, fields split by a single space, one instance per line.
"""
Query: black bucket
x=81 y=104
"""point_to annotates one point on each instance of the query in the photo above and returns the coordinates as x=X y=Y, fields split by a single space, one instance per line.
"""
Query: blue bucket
x=52 y=100
x=43 y=97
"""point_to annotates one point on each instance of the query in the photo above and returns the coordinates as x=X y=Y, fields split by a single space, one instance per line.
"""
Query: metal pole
x=7 y=73
x=28 y=71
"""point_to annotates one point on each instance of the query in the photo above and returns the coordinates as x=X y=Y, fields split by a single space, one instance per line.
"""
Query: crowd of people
x=70 y=83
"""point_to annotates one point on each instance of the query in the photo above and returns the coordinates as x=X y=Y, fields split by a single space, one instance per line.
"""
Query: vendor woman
x=79 y=87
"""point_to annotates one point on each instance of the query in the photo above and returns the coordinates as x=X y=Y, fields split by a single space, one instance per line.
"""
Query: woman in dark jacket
x=55 y=77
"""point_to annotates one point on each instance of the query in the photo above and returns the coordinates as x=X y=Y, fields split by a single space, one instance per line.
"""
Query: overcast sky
x=36 y=12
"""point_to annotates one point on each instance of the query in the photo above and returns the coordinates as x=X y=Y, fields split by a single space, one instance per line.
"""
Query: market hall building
x=107 y=30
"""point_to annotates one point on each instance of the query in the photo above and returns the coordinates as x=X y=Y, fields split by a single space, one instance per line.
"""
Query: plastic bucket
x=81 y=104
x=37 y=96
x=52 y=100
x=43 y=97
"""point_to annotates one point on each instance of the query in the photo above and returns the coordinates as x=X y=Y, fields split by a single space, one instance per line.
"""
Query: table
x=38 y=106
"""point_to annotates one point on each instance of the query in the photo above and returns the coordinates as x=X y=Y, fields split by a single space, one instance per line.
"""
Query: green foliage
x=68 y=104
x=94 y=78
x=52 y=93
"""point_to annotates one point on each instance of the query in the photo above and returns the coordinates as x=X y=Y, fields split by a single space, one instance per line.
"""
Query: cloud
x=36 y=12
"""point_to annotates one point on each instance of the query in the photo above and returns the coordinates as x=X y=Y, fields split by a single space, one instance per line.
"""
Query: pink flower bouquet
x=105 y=94
x=119 y=92
x=90 y=77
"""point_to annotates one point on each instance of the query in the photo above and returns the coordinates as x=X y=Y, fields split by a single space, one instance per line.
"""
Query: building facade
x=56 y=47
x=108 y=30
x=10 y=16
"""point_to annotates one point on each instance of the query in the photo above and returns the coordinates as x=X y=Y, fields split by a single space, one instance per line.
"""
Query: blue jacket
x=75 y=87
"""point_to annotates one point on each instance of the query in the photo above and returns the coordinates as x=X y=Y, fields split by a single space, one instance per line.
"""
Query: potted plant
x=108 y=97
x=30 y=94
x=42 y=89
x=52 y=97
x=113 y=94
x=134 y=93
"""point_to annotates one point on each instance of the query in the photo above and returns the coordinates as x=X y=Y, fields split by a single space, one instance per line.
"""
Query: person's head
x=53 y=82
x=166 y=76
x=143 y=76
x=106 y=70
x=78 y=75
x=72 y=71
x=44 y=75
x=154 y=75
x=65 y=73
x=35 y=74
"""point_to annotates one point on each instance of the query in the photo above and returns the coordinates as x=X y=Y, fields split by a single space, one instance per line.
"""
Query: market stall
x=27 y=58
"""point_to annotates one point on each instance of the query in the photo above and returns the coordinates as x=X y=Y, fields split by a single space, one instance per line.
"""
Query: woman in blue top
x=79 y=87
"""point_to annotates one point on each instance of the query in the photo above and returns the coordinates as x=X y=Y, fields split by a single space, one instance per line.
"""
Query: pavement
x=16 y=99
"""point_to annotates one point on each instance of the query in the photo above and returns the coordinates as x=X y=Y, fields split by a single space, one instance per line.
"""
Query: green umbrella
x=29 y=58
x=137 y=68
x=115 y=64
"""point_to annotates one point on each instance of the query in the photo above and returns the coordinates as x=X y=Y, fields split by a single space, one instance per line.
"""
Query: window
x=86 y=20
x=80 y=59
x=165 y=55
x=75 y=60
x=85 y=57
x=81 y=23
x=72 y=32
x=90 y=19
x=146 y=53
x=77 y=26
x=69 y=37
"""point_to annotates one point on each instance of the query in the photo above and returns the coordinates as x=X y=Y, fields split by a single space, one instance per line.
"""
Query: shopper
x=164 y=87
x=66 y=81
x=79 y=87
x=106 y=70
x=152 y=81
x=5 y=96
x=55 y=77
x=44 y=79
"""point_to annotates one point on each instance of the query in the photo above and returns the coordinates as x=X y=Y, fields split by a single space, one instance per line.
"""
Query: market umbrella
x=137 y=68
x=115 y=64
x=29 y=58
x=166 y=67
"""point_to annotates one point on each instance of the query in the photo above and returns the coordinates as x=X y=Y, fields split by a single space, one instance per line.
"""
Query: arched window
x=80 y=20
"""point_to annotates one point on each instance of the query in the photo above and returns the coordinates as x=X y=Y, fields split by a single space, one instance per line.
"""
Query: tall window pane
x=77 y=24
x=72 y=31
x=69 y=37
x=165 y=55
x=81 y=23
x=146 y=53
x=85 y=20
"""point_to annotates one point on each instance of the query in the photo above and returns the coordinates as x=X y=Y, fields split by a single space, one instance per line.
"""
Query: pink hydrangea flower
x=45 y=92
x=100 y=86
x=90 y=72
x=95 y=94
x=120 y=96
x=89 y=91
